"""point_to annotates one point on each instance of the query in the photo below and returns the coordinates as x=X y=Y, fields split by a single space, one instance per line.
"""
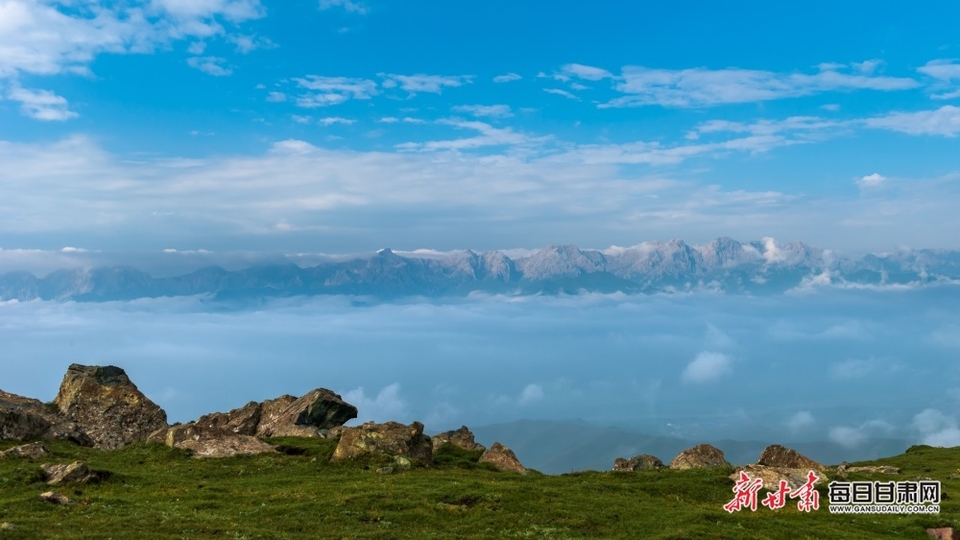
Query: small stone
x=7 y=526
x=403 y=463
x=74 y=473
x=55 y=498
x=877 y=469
x=385 y=470
x=33 y=450
x=943 y=533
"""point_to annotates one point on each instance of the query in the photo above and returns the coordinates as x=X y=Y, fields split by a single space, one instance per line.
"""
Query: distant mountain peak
x=722 y=264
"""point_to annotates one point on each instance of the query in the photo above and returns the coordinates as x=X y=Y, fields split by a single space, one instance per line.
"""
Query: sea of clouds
x=846 y=366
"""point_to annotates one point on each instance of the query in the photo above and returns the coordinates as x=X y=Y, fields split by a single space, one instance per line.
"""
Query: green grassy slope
x=157 y=492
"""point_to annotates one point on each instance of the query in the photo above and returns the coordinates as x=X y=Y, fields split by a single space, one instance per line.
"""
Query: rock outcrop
x=204 y=442
x=23 y=418
x=699 y=457
x=390 y=438
x=235 y=432
x=502 y=458
x=643 y=462
x=107 y=406
x=317 y=410
x=34 y=450
x=462 y=438
x=771 y=476
x=782 y=457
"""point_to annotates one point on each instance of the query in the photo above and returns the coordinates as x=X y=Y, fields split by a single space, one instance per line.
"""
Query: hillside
x=158 y=492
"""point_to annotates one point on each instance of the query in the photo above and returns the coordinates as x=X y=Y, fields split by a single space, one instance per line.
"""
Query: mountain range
x=722 y=265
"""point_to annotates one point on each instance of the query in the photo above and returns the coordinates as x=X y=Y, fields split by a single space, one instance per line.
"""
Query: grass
x=158 y=492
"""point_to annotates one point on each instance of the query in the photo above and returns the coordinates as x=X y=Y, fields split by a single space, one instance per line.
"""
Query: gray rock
x=33 y=450
x=502 y=458
x=782 y=457
x=772 y=476
x=462 y=438
x=306 y=416
x=643 y=462
x=107 y=406
x=389 y=438
x=55 y=498
x=699 y=457
x=72 y=473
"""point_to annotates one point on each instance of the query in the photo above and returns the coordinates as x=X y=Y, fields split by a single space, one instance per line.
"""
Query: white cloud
x=488 y=136
x=508 y=77
x=531 y=393
x=211 y=65
x=846 y=436
x=589 y=73
x=247 y=44
x=350 y=6
x=331 y=120
x=561 y=92
x=936 y=428
x=945 y=70
x=706 y=367
x=301 y=119
x=333 y=90
x=871 y=180
x=495 y=111
x=793 y=124
x=388 y=120
x=852 y=437
x=197 y=48
x=800 y=421
x=700 y=87
x=386 y=406
x=853 y=368
x=944 y=121
x=276 y=97
x=433 y=84
x=42 y=104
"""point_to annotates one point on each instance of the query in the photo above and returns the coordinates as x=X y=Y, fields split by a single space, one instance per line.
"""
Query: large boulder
x=701 y=456
x=462 y=438
x=204 y=441
x=771 y=476
x=391 y=438
x=643 y=462
x=107 y=406
x=242 y=421
x=235 y=432
x=780 y=456
x=23 y=418
x=317 y=410
x=502 y=458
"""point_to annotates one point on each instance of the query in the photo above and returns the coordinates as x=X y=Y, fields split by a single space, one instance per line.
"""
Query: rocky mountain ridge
x=723 y=265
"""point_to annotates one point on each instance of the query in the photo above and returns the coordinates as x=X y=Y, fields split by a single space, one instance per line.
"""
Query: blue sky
x=349 y=125
x=144 y=130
